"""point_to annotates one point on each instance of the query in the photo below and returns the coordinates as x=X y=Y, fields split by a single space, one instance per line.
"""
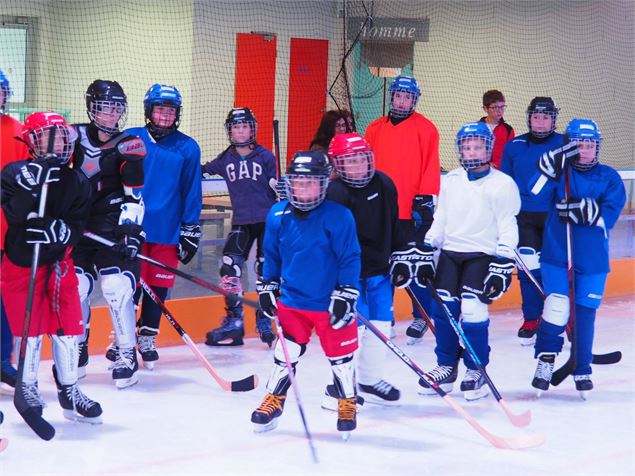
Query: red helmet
x=37 y=130
x=353 y=159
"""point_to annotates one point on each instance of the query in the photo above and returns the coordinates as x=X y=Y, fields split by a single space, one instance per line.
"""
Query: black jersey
x=376 y=214
x=109 y=166
x=69 y=200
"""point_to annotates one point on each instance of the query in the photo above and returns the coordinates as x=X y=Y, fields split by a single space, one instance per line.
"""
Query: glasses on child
x=497 y=108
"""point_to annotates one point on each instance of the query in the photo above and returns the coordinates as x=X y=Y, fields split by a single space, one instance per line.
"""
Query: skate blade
x=3 y=444
x=413 y=340
x=345 y=435
x=73 y=416
x=260 y=428
x=527 y=341
x=225 y=343
x=6 y=389
x=446 y=387
x=149 y=365
x=471 y=395
x=539 y=393
x=121 y=383
x=584 y=394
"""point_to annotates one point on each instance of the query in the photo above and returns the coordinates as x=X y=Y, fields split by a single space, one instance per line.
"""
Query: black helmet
x=544 y=105
x=241 y=115
x=103 y=96
x=307 y=167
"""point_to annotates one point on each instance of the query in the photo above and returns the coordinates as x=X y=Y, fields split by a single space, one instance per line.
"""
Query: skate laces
x=440 y=372
x=472 y=375
x=147 y=343
x=79 y=399
x=125 y=358
x=581 y=378
x=271 y=403
x=544 y=370
x=383 y=387
x=346 y=408
x=419 y=325
x=32 y=395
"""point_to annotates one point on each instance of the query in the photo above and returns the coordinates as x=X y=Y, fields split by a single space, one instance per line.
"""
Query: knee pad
x=344 y=375
x=556 y=310
x=65 y=356
x=118 y=289
x=294 y=349
x=230 y=272
x=86 y=284
x=446 y=297
x=472 y=309
x=530 y=257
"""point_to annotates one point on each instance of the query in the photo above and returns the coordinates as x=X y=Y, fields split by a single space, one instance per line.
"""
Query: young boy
x=250 y=173
x=56 y=308
x=594 y=204
x=494 y=106
x=173 y=200
x=519 y=162
x=307 y=232
x=475 y=228
x=406 y=147
x=372 y=198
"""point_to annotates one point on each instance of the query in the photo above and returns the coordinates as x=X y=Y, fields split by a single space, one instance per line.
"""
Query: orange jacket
x=11 y=150
x=409 y=154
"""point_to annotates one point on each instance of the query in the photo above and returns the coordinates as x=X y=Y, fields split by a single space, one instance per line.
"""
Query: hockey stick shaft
x=178 y=272
x=598 y=359
x=39 y=425
x=422 y=311
x=276 y=144
x=244 y=385
x=294 y=385
x=497 y=441
x=517 y=420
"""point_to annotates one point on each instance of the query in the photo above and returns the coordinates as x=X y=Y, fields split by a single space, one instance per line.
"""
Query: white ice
x=177 y=421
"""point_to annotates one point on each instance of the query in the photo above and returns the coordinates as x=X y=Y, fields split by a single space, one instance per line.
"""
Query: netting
x=291 y=60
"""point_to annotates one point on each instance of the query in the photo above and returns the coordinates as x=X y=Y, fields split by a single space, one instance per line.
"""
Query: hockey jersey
x=310 y=254
x=172 y=191
x=409 y=154
x=248 y=182
x=476 y=215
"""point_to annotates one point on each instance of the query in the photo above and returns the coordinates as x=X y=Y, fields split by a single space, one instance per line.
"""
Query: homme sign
x=393 y=30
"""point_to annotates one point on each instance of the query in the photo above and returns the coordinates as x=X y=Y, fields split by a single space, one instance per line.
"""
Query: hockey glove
x=47 y=231
x=268 y=293
x=35 y=173
x=343 y=309
x=189 y=239
x=498 y=279
x=553 y=162
x=425 y=266
x=422 y=211
x=259 y=263
x=580 y=211
x=131 y=238
x=404 y=265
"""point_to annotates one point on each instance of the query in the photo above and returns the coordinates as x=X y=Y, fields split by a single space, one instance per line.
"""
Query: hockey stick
x=598 y=359
x=39 y=425
x=244 y=385
x=276 y=143
x=294 y=385
x=516 y=420
x=178 y=272
x=423 y=313
x=515 y=443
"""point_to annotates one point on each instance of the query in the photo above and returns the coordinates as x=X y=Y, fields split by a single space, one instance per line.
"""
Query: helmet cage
x=42 y=145
x=464 y=135
x=162 y=95
x=296 y=183
x=6 y=88
x=347 y=166
x=407 y=85
x=542 y=105
x=98 y=107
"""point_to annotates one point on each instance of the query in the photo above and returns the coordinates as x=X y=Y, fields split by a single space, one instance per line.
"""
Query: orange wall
x=199 y=315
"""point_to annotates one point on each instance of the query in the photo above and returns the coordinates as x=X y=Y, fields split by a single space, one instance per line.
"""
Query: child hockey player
x=475 y=229
x=310 y=279
x=250 y=173
x=56 y=307
x=594 y=204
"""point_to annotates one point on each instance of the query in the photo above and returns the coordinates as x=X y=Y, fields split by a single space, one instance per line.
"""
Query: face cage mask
x=96 y=107
x=5 y=101
x=399 y=114
x=160 y=132
x=38 y=143
x=576 y=164
x=252 y=137
x=542 y=135
x=342 y=163
x=470 y=164
x=306 y=206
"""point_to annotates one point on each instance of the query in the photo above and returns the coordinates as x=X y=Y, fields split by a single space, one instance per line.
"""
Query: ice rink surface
x=177 y=420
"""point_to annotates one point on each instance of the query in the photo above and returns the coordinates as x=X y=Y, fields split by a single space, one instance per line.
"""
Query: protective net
x=291 y=60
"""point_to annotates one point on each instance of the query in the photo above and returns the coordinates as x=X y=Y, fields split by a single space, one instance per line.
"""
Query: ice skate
x=265 y=417
x=527 y=332
x=33 y=398
x=8 y=376
x=473 y=385
x=83 y=359
x=148 y=350
x=264 y=329
x=346 y=416
x=112 y=351
x=381 y=393
x=329 y=401
x=124 y=373
x=443 y=375
x=544 y=371
x=77 y=406
x=583 y=384
x=230 y=333
x=416 y=331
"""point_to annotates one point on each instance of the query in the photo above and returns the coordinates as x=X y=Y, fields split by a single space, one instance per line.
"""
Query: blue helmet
x=162 y=95
x=585 y=130
x=474 y=130
x=6 y=89
x=543 y=105
x=408 y=85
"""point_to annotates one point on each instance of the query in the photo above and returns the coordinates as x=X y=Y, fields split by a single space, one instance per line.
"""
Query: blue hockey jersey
x=311 y=254
x=172 y=191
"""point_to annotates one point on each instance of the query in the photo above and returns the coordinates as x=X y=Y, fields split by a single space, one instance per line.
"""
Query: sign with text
x=392 y=30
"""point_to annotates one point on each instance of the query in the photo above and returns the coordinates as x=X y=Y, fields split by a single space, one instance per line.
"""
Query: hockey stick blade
x=39 y=425
x=607 y=359
x=245 y=385
x=567 y=369
x=516 y=443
